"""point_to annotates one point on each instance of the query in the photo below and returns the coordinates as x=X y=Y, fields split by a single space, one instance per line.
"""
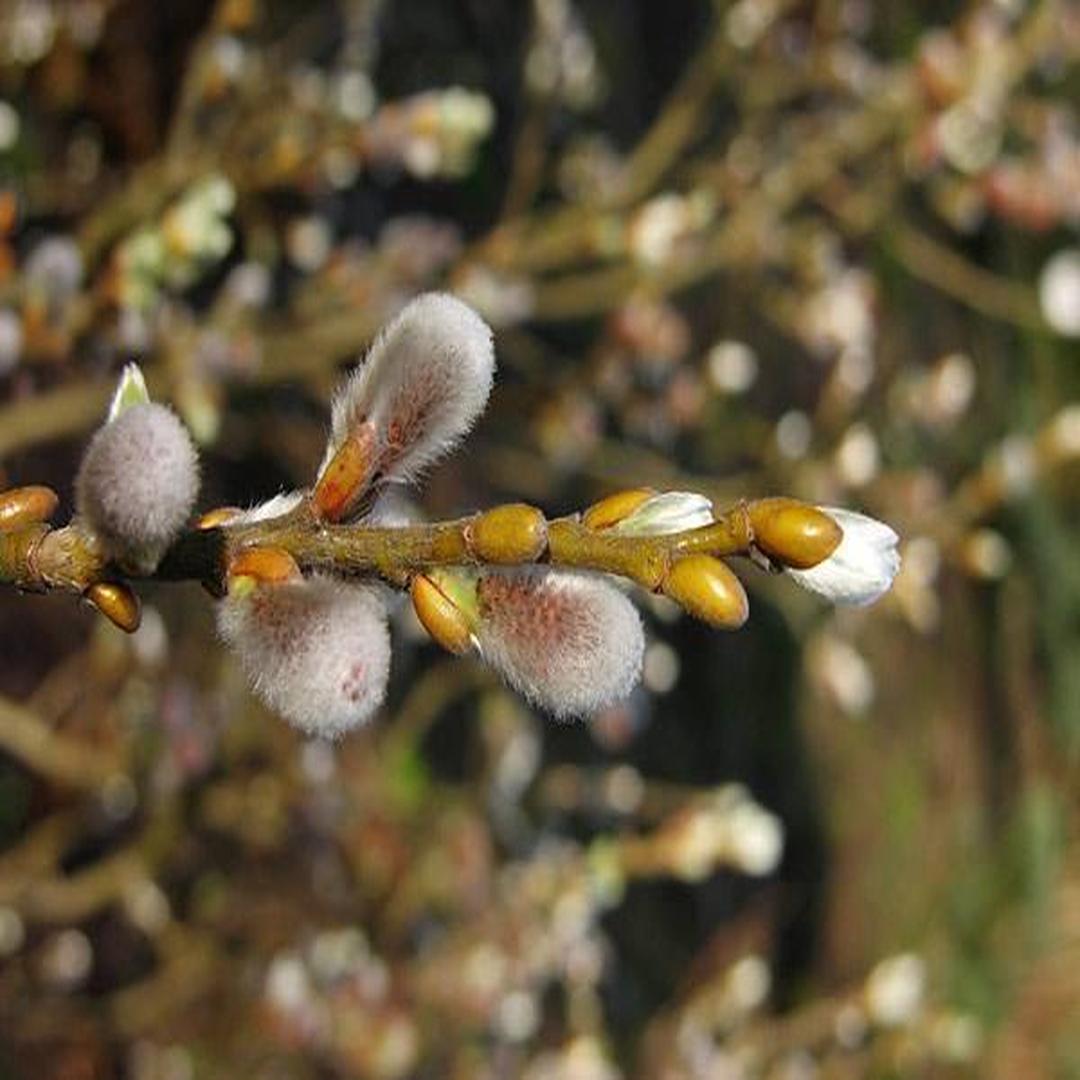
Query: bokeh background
x=827 y=249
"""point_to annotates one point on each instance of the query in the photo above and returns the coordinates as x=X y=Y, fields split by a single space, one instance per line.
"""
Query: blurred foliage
x=821 y=248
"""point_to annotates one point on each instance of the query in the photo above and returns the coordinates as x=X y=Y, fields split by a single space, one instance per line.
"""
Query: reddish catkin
x=569 y=642
x=424 y=382
x=316 y=651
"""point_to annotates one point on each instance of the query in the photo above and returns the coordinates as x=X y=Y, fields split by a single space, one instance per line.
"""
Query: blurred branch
x=69 y=762
x=981 y=290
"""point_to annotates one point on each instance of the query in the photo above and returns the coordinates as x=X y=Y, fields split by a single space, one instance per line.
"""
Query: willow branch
x=72 y=559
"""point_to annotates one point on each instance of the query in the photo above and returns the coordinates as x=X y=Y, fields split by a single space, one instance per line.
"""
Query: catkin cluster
x=315 y=644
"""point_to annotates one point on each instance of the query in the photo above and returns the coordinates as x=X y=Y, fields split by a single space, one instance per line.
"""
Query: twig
x=72 y=559
x=71 y=763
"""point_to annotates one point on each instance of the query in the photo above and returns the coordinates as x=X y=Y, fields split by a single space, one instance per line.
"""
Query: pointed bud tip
x=130 y=390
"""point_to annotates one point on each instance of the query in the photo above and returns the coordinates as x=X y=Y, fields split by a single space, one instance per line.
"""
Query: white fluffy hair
x=570 y=642
x=317 y=651
x=424 y=382
x=137 y=483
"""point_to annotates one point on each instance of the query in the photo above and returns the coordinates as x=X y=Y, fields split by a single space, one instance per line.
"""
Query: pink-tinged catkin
x=137 y=483
x=422 y=386
x=317 y=652
x=569 y=642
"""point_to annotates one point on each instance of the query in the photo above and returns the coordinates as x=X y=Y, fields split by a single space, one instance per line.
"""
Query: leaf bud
x=346 y=477
x=264 y=566
x=440 y=616
x=793 y=533
x=708 y=589
x=26 y=506
x=117 y=603
x=507 y=535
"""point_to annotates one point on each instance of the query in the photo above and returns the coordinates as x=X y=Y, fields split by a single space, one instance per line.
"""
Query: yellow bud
x=117 y=603
x=793 y=533
x=440 y=616
x=707 y=588
x=264 y=566
x=220 y=515
x=26 y=506
x=347 y=475
x=615 y=508
x=515 y=533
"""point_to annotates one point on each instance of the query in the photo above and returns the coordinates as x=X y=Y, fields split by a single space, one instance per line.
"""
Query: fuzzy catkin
x=424 y=382
x=317 y=651
x=137 y=483
x=569 y=642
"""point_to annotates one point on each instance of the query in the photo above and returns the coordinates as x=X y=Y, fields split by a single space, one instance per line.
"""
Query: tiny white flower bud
x=425 y=381
x=571 y=643
x=667 y=512
x=137 y=483
x=317 y=651
x=862 y=568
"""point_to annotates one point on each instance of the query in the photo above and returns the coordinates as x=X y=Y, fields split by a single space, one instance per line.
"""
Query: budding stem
x=69 y=558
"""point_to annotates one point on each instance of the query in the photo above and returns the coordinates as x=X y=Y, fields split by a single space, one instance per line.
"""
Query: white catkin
x=317 y=652
x=137 y=483
x=569 y=642
x=424 y=382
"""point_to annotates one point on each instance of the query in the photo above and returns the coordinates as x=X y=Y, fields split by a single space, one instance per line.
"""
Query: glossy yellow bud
x=264 y=566
x=707 y=588
x=347 y=475
x=440 y=616
x=220 y=515
x=793 y=533
x=507 y=535
x=615 y=508
x=117 y=603
x=26 y=506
